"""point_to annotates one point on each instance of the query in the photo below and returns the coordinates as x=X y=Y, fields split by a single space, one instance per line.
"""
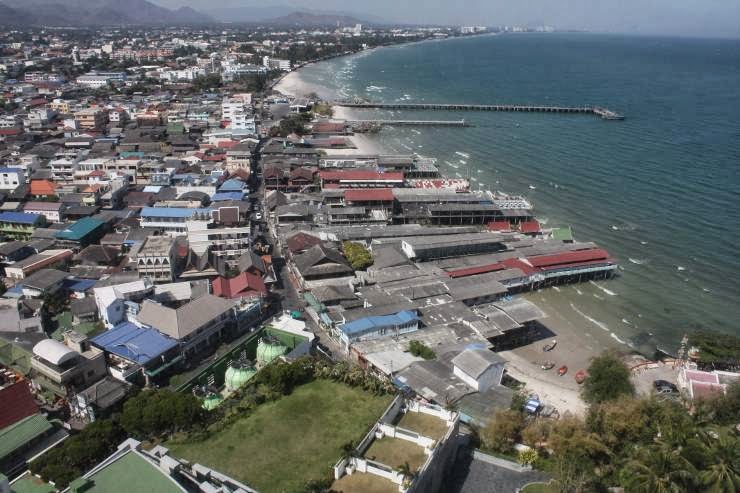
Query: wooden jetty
x=604 y=113
x=408 y=123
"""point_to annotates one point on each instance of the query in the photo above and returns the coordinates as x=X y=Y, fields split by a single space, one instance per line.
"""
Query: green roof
x=132 y=470
x=80 y=229
x=29 y=483
x=16 y=435
x=563 y=234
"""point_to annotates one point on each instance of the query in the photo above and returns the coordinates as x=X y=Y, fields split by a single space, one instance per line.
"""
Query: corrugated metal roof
x=80 y=229
x=19 y=218
x=17 y=402
x=134 y=343
x=568 y=257
x=368 y=323
x=22 y=432
x=221 y=196
x=369 y=195
x=171 y=212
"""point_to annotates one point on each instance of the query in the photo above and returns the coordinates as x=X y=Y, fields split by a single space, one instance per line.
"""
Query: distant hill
x=94 y=13
x=254 y=12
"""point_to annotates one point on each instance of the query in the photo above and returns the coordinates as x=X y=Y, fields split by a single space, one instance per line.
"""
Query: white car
x=258 y=216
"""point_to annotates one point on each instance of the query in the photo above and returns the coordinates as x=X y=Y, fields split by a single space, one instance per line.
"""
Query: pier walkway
x=410 y=123
x=604 y=113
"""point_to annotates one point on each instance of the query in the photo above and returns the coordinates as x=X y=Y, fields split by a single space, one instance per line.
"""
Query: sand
x=294 y=85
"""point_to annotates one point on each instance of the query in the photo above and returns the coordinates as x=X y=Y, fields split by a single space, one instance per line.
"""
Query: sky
x=687 y=17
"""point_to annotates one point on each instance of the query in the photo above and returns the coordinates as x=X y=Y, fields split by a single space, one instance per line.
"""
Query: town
x=192 y=258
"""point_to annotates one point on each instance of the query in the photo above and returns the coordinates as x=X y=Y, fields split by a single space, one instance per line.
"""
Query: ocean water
x=659 y=190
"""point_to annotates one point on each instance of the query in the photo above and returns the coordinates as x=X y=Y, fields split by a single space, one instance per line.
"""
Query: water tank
x=268 y=349
x=237 y=375
x=212 y=401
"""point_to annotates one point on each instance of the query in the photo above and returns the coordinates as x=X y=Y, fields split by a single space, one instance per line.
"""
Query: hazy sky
x=690 y=17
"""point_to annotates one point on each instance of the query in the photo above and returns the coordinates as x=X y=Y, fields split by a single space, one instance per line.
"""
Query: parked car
x=665 y=387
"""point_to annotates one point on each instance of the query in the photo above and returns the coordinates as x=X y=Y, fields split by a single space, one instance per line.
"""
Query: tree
x=503 y=431
x=608 y=379
x=152 y=413
x=658 y=469
x=722 y=471
x=358 y=256
x=723 y=409
x=418 y=348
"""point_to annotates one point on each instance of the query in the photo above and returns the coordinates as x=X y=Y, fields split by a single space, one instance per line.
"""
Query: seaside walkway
x=604 y=113
x=410 y=123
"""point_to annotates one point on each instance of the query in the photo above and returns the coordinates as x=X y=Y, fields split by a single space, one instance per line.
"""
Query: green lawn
x=394 y=452
x=538 y=488
x=285 y=443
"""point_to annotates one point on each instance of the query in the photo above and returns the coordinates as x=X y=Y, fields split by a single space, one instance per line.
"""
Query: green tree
x=608 y=379
x=722 y=471
x=418 y=348
x=503 y=431
x=358 y=256
x=153 y=413
x=658 y=469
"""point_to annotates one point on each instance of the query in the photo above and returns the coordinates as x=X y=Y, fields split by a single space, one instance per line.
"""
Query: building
x=155 y=259
x=174 y=220
x=69 y=367
x=137 y=353
x=244 y=286
x=369 y=328
x=197 y=325
x=19 y=225
x=480 y=369
x=29 y=265
x=116 y=302
x=11 y=178
x=52 y=211
x=91 y=118
x=42 y=282
x=82 y=232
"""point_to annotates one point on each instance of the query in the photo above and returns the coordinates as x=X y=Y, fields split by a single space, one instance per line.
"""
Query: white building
x=276 y=63
x=11 y=178
x=155 y=259
x=480 y=369
x=111 y=300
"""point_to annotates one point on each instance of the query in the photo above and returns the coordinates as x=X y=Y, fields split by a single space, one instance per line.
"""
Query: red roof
x=302 y=241
x=360 y=175
x=529 y=227
x=499 y=226
x=245 y=284
x=215 y=157
x=705 y=390
x=573 y=257
x=326 y=127
x=515 y=263
x=17 y=403
x=369 y=195
x=11 y=131
x=701 y=376
x=472 y=271
x=43 y=187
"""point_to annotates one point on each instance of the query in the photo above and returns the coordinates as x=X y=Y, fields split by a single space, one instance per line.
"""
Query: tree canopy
x=608 y=379
x=358 y=256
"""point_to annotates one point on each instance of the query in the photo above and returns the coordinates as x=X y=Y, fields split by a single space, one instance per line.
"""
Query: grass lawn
x=364 y=483
x=393 y=452
x=424 y=424
x=64 y=323
x=285 y=443
x=538 y=488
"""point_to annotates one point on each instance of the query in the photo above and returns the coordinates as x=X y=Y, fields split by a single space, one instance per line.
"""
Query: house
x=115 y=300
x=135 y=352
x=82 y=232
x=15 y=317
x=321 y=262
x=373 y=327
x=300 y=242
x=98 y=400
x=93 y=255
x=84 y=310
x=480 y=369
x=52 y=211
x=20 y=225
x=42 y=282
x=69 y=367
x=13 y=251
x=155 y=258
x=28 y=266
x=43 y=188
x=245 y=285
x=197 y=325
x=11 y=178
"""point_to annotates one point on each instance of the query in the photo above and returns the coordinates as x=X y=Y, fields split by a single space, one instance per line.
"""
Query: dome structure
x=212 y=401
x=238 y=374
x=54 y=352
x=268 y=349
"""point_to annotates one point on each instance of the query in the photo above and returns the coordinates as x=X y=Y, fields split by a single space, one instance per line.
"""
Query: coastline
x=580 y=337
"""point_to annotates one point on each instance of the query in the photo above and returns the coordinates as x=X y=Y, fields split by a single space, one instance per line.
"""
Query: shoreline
x=580 y=337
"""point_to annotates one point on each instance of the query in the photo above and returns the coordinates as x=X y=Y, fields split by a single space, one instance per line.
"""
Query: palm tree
x=408 y=475
x=658 y=470
x=722 y=473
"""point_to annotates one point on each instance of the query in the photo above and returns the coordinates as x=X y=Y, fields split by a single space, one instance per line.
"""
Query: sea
x=659 y=190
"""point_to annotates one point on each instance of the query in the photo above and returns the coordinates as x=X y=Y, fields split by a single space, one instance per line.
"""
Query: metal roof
x=19 y=218
x=369 y=323
x=54 y=352
x=181 y=212
x=80 y=229
x=134 y=343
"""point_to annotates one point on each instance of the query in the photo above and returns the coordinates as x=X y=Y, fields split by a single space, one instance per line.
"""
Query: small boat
x=581 y=376
x=562 y=370
x=549 y=347
x=547 y=365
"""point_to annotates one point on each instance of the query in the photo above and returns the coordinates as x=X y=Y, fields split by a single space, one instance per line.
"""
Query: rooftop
x=134 y=343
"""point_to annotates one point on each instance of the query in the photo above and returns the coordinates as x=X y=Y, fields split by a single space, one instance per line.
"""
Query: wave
x=463 y=154
x=616 y=338
x=637 y=261
x=600 y=325
x=607 y=291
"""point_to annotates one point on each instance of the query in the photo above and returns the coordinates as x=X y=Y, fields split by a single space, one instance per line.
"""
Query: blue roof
x=79 y=285
x=80 y=229
x=134 y=343
x=171 y=212
x=232 y=185
x=227 y=196
x=368 y=323
x=20 y=218
x=11 y=170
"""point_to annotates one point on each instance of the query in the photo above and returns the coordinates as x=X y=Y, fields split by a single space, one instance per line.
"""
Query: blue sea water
x=660 y=190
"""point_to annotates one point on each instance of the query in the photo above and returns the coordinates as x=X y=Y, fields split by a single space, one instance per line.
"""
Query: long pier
x=410 y=123
x=604 y=113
